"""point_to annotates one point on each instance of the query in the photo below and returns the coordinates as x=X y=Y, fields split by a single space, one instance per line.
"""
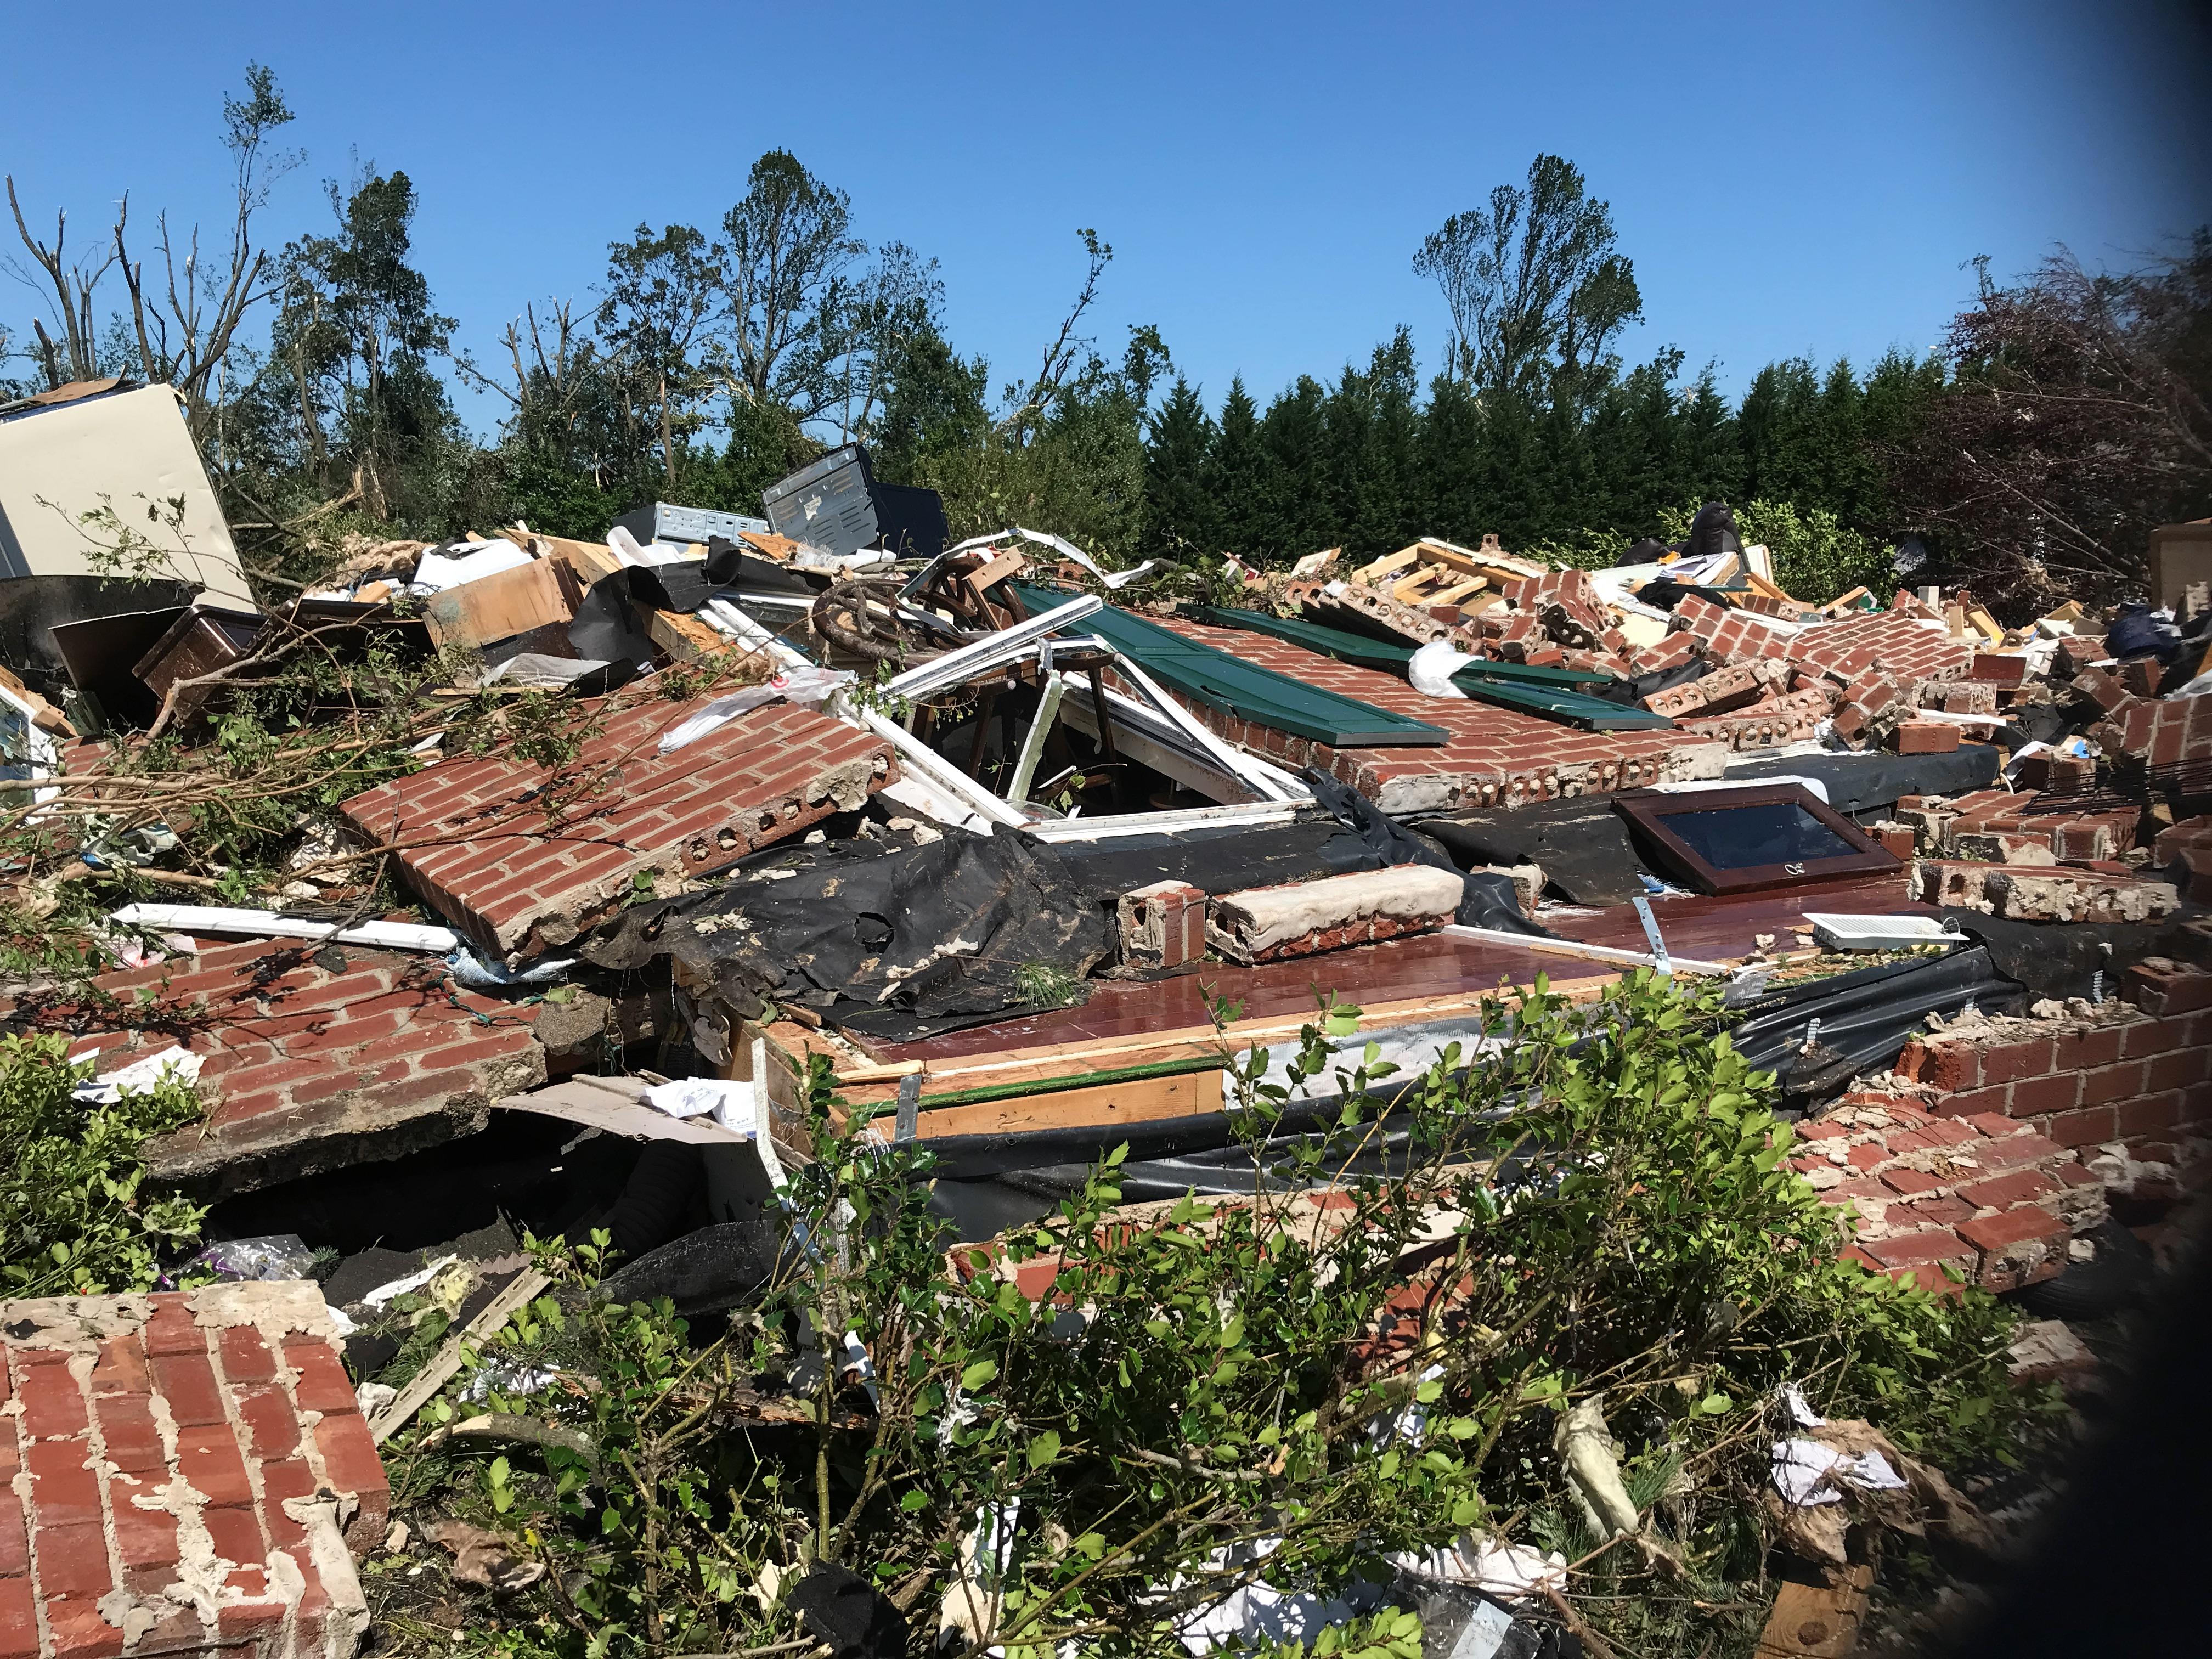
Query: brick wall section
x=1495 y=756
x=190 y=1473
x=1984 y=1196
x=1730 y=636
x=2049 y=893
x=2185 y=851
x=312 y=1059
x=2128 y=1077
x=517 y=884
x=1901 y=646
x=2158 y=732
x=1769 y=721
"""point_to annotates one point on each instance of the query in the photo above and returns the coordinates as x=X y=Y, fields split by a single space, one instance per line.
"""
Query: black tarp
x=1217 y=861
x=2060 y=959
x=894 y=941
x=1486 y=900
x=1580 y=843
x=1865 y=1017
x=1869 y=782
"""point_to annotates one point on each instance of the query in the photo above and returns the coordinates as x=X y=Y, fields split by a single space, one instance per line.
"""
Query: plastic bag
x=273 y=1256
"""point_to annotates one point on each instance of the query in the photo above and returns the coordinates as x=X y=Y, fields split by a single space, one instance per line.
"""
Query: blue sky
x=1788 y=178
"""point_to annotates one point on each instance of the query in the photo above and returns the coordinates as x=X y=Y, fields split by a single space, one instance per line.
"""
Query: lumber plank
x=1389 y=564
x=1451 y=557
x=524 y=1287
x=990 y=576
x=1816 y=1621
x=1142 y=1100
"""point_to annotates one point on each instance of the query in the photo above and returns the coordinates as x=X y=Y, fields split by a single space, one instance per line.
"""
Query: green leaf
x=1233 y=1332
x=914 y=1502
x=977 y=1374
x=1044 y=1448
x=1430 y=1392
x=1713 y=1404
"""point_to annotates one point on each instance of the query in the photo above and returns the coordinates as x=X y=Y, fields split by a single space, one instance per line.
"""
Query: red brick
x=2012 y=1152
x=280 y=1481
x=63 y=1492
x=273 y=1429
x=2002 y=1192
x=2148 y=1115
x=209 y=1457
x=15 y=1536
x=143 y=1537
x=1909 y=1182
x=1942 y=1211
x=2038 y=1095
x=2010 y=1062
x=170 y=1327
x=52 y=1402
x=187 y=1383
x=1905 y=1249
x=2110 y=1083
x=79 y=1632
x=352 y=1468
x=2007 y=1227
x=121 y=1367
x=128 y=1431
x=73 y=1559
x=2092 y=1125
x=236 y=1536
x=19 y=1619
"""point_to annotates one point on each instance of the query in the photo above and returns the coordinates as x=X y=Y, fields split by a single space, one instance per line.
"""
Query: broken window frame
x=1649 y=811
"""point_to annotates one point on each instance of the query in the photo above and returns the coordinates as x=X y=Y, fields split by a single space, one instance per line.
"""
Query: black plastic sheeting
x=1865 y=1017
x=1216 y=860
x=1630 y=693
x=1867 y=782
x=720 y=1266
x=1486 y=900
x=897 y=941
x=1581 y=843
x=2060 y=959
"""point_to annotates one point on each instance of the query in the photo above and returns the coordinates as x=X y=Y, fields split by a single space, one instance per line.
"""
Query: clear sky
x=1788 y=178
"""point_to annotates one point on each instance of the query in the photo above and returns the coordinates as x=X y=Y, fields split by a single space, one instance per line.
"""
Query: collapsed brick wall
x=1946 y=1201
x=190 y=1473
x=2126 y=1077
x=313 y=1057
x=477 y=841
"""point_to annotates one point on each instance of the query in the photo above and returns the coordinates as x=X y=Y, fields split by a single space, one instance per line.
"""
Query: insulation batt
x=1263 y=917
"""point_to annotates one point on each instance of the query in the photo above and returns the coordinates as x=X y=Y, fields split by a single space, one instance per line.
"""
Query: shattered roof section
x=478 y=842
x=1493 y=757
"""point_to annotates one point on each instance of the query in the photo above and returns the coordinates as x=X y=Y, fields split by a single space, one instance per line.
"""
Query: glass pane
x=1740 y=837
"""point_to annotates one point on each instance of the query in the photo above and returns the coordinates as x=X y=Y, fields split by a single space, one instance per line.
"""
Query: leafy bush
x=1147 y=1396
x=1817 y=557
x=73 y=1219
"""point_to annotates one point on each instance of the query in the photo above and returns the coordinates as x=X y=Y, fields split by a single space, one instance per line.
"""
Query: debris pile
x=563 y=887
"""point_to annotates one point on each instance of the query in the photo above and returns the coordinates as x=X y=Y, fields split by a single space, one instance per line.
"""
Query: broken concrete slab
x=2061 y=894
x=521 y=859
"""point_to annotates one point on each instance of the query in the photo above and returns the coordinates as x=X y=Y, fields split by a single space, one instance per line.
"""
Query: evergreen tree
x=1179 y=519
x=1297 y=515
x=1236 y=475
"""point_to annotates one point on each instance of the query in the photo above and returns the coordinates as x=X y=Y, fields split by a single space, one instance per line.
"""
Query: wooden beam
x=1388 y=565
x=1143 y=1100
x=524 y=1287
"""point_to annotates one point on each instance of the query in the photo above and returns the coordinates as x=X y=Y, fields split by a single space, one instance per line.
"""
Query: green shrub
x=73 y=1218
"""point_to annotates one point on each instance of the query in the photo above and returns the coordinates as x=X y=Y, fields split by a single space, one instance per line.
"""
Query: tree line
x=2063 y=417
